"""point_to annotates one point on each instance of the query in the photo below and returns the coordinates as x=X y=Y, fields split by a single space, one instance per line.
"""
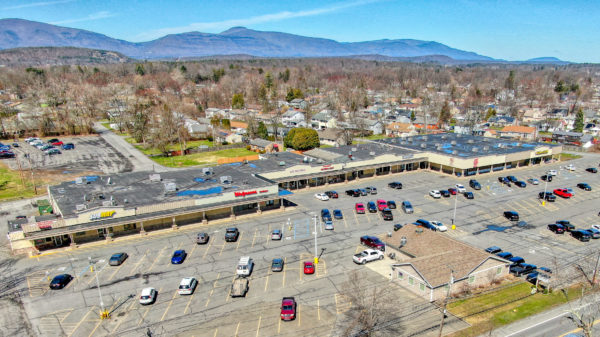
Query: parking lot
x=91 y=154
x=322 y=307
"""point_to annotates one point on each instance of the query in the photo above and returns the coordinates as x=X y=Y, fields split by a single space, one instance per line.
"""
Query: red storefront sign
x=327 y=167
x=244 y=193
x=46 y=224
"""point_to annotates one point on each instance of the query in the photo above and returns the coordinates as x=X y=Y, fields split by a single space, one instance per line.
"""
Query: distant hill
x=550 y=60
x=40 y=56
x=16 y=33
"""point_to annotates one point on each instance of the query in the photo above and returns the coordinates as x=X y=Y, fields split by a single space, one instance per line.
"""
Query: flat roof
x=465 y=146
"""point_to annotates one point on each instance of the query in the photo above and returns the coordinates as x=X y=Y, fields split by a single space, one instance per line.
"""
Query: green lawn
x=568 y=156
x=204 y=158
x=504 y=306
x=174 y=147
x=11 y=186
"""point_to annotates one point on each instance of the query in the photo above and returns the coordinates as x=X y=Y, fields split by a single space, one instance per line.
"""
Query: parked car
x=363 y=191
x=407 y=207
x=117 y=259
x=321 y=196
x=549 y=196
x=57 y=143
x=452 y=191
x=445 y=193
x=460 y=188
x=520 y=183
x=372 y=190
x=516 y=260
x=7 y=154
x=570 y=167
x=325 y=215
x=387 y=214
x=440 y=226
x=367 y=255
x=395 y=185
x=276 y=234
x=435 y=194
x=474 y=184
x=373 y=242
x=557 y=228
x=552 y=172
x=52 y=140
x=381 y=204
x=469 y=195
x=533 y=181
x=594 y=233
x=68 y=146
x=187 y=286
x=546 y=177
x=391 y=204
x=148 y=296
x=371 y=207
x=46 y=147
x=592 y=170
x=277 y=265
x=581 y=235
x=563 y=192
x=309 y=267
x=504 y=255
x=512 y=179
x=337 y=214
x=359 y=207
x=51 y=152
x=566 y=224
x=332 y=194
x=493 y=250
x=288 y=309
x=584 y=186
x=511 y=215
x=522 y=269
x=353 y=193
x=398 y=226
x=202 y=238
x=178 y=256
x=231 y=234
x=570 y=190
x=239 y=287
x=60 y=281
x=329 y=225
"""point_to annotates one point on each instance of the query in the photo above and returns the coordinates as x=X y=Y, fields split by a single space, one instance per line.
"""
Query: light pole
x=545 y=189
x=454 y=215
x=103 y=313
x=316 y=255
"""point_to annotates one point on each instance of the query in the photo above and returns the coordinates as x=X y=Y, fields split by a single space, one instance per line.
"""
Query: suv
x=288 y=309
x=557 y=228
x=373 y=242
x=231 y=234
x=387 y=214
x=395 y=185
x=549 y=196
x=325 y=215
x=511 y=215
x=371 y=207
x=474 y=184
x=581 y=235
x=407 y=207
x=522 y=269
x=245 y=266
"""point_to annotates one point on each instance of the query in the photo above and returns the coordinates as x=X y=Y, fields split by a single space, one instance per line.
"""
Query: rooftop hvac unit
x=79 y=180
x=458 y=135
x=207 y=171
x=108 y=181
x=170 y=187
x=226 y=180
x=454 y=152
x=403 y=142
x=444 y=136
x=154 y=177
x=423 y=145
x=453 y=142
x=305 y=160
x=353 y=149
x=80 y=207
x=475 y=149
x=470 y=141
x=281 y=163
x=107 y=203
x=438 y=144
x=424 y=137
x=372 y=153
x=485 y=148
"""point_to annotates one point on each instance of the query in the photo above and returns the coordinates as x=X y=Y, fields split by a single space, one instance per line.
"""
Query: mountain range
x=18 y=33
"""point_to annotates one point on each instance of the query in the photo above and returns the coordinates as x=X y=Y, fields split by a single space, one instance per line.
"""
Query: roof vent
x=80 y=207
x=475 y=149
x=458 y=135
x=154 y=177
x=108 y=203
x=372 y=153
x=354 y=149
x=79 y=180
x=125 y=201
x=207 y=171
x=281 y=163
x=470 y=141
x=486 y=148
x=108 y=181
x=170 y=186
x=424 y=137
x=444 y=136
x=423 y=145
x=453 y=142
x=226 y=180
x=454 y=152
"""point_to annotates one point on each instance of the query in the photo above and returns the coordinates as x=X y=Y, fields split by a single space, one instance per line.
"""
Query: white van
x=245 y=266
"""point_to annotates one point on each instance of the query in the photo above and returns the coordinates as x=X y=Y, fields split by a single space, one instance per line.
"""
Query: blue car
x=337 y=214
x=68 y=146
x=504 y=255
x=372 y=207
x=178 y=256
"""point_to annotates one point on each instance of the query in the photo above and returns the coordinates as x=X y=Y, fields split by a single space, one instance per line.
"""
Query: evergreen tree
x=139 y=69
x=237 y=101
x=444 y=116
x=262 y=131
x=579 y=123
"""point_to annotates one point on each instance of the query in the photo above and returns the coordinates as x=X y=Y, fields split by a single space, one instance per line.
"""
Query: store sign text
x=327 y=167
x=102 y=215
x=244 y=193
x=537 y=153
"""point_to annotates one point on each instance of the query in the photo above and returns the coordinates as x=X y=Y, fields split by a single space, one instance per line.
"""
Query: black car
x=546 y=177
x=391 y=204
x=522 y=269
x=501 y=179
x=592 y=170
x=60 y=281
x=512 y=179
x=426 y=224
x=353 y=193
x=331 y=194
x=516 y=260
x=549 y=196
x=511 y=215
x=117 y=259
x=372 y=207
x=504 y=255
x=231 y=234
x=557 y=228
x=53 y=140
x=566 y=224
x=445 y=193
x=395 y=185
x=469 y=195
x=387 y=214
x=7 y=154
x=493 y=250
x=474 y=184
x=584 y=186
x=397 y=226
x=521 y=184
x=581 y=235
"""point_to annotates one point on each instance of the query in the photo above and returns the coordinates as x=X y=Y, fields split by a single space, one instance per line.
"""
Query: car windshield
x=287 y=307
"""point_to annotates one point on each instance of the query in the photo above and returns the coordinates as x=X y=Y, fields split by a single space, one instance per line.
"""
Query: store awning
x=284 y=192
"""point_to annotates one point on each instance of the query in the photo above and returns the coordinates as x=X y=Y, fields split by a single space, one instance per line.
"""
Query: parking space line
x=146 y=312
x=284 y=269
x=208 y=248
x=156 y=259
x=236 y=329
x=139 y=262
x=216 y=330
x=212 y=290
x=169 y=306
x=193 y=249
x=298 y=314
x=81 y=321
x=258 y=327
x=279 y=327
x=109 y=310
x=318 y=310
x=239 y=241
x=187 y=306
x=345 y=223
x=222 y=247
x=254 y=237
x=123 y=318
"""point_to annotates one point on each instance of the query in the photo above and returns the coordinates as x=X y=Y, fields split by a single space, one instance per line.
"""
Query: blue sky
x=507 y=29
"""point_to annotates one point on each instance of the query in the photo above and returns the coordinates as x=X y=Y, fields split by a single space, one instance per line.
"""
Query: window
x=471 y=278
x=129 y=226
x=400 y=275
x=411 y=281
x=422 y=286
x=499 y=270
x=80 y=234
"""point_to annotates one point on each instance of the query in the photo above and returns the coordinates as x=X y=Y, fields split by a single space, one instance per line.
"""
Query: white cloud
x=94 y=16
x=37 y=4
x=217 y=25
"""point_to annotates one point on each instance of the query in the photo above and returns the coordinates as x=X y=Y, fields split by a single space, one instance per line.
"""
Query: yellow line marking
x=298 y=314
x=193 y=249
x=156 y=259
x=239 y=240
x=318 y=310
x=207 y=248
x=115 y=272
x=138 y=264
x=217 y=329
x=279 y=327
x=254 y=238
x=267 y=281
x=169 y=306
x=190 y=301
x=579 y=329
x=258 y=327
x=109 y=310
x=236 y=329
x=221 y=251
x=284 y=268
x=83 y=319
x=67 y=315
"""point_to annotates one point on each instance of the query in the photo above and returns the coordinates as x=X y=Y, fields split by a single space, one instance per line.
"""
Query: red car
x=309 y=267
x=563 y=192
x=452 y=191
x=373 y=242
x=58 y=143
x=360 y=208
x=288 y=308
x=381 y=204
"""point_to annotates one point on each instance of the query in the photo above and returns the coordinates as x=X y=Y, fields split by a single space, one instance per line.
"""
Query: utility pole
x=103 y=313
x=32 y=177
x=446 y=301
x=455 y=202
x=316 y=255
x=545 y=189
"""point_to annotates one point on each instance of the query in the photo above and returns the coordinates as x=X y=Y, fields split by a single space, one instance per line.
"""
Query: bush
x=248 y=147
x=225 y=143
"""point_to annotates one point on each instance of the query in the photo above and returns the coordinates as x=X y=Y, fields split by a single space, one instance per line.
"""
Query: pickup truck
x=288 y=308
x=239 y=288
x=367 y=255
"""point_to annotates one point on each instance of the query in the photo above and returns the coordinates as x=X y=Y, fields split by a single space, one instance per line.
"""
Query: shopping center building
x=96 y=208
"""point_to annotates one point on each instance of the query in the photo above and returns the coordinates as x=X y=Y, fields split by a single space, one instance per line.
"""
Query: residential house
x=259 y=144
x=501 y=120
x=298 y=103
x=518 y=132
x=531 y=115
x=234 y=138
x=334 y=137
x=239 y=127
x=293 y=118
x=322 y=120
x=572 y=138
x=558 y=113
x=196 y=129
x=211 y=112
x=376 y=127
x=427 y=261
x=397 y=129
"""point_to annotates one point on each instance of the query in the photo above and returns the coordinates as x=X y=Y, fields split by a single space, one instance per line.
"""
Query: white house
x=292 y=118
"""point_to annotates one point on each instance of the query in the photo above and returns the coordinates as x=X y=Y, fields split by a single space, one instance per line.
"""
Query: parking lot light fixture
x=454 y=216
x=545 y=189
x=103 y=313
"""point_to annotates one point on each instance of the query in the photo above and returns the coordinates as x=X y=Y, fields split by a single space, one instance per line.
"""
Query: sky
x=503 y=29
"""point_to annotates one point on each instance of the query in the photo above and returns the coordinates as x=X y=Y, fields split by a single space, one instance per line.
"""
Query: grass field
x=204 y=158
x=509 y=304
x=11 y=186
x=569 y=156
x=173 y=147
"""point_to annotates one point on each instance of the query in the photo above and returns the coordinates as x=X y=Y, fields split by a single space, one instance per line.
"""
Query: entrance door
x=58 y=241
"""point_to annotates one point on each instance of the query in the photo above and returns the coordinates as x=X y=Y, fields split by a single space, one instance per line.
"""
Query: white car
x=329 y=226
x=570 y=167
x=460 y=188
x=276 y=234
x=533 y=181
x=552 y=172
x=187 y=286
x=148 y=296
x=322 y=196
x=440 y=226
x=367 y=255
x=435 y=194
